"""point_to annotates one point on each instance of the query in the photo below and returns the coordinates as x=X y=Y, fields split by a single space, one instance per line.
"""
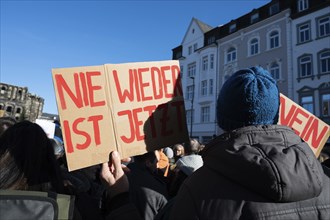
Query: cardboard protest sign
x=310 y=128
x=132 y=108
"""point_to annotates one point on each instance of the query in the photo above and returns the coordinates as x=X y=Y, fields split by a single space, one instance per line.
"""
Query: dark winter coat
x=147 y=191
x=256 y=172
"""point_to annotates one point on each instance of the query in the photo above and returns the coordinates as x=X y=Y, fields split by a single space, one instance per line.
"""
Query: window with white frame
x=324 y=62
x=211 y=86
x=232 y=28
x=231 y=54
x=205 y=114
x=304 y=33
x=274 y=39
x=204 y=88
x=307 y=103
x=305 y=66
x=254 y=46
x=212 y=61
x=189 y=92
x=190 y=116
x=302 y=5
x=323 y=25
x=191 y=69
x=275 y=70
x=205 y=62
x=325 y=100
x=190 y=50
x=254 y=18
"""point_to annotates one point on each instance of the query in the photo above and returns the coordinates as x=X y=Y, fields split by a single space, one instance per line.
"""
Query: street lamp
x=192 y=105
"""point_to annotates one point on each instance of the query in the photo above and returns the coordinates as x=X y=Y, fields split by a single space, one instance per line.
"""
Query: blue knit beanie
x=248 y=97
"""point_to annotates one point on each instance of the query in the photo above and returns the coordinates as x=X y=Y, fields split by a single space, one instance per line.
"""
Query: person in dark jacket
x=148 y=191
x=256 y=169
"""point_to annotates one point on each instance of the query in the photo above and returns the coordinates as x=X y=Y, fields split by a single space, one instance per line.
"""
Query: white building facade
x=267 y=37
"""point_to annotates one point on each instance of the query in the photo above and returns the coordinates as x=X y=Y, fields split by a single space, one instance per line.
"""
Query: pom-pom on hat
x=249 y=97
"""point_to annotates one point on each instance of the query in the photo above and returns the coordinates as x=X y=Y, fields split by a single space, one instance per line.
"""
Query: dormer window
x=302 y=5
x=273 y=9
x=254 y=18
x=232 y=28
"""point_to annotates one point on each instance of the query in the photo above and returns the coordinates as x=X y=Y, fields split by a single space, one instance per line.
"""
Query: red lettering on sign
x=82 y=81
x=75 y=131
x=176 y=81
x=150 y=109
x=68 y=140
x=163 y=83
x=313 y=131
x=158 y=92
x=163 y=70
x=143 y=84
x=92 y=88
x=124 y=94
x=285 y=120
x=131 y=125
x=61 y=85
x=295 y=118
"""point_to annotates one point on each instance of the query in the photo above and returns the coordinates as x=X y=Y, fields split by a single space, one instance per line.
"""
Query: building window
x=205 y=114
x=9 y=109
x=232 y=28
x=302 y=5
x=191 y=69
x=324 y=62
x=181 y=71
x=254 y=46
x=3 y=89
x=274 y=39
x=210 y=40
x=323 y=25
x=307 y=103
x=205 y=61
x=190 y=119
x=211 y=61
x=275 y=70
x=204 y=88
x=254 y=18
x=231 y=54
x=305 y=66
x=273 y=9
x=190 y=50
x=304 y=33
x=189 y=92
x=325 y=100
x=18 y=110
x=211 y=86
x=195 y=47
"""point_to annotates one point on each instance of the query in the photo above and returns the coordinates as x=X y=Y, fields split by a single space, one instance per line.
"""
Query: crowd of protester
x=256 y=169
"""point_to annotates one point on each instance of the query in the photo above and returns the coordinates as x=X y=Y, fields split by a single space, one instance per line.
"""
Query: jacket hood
x=270 y=160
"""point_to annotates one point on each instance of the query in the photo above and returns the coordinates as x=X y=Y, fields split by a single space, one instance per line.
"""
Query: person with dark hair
x=6 y=122
x=28 y=163
x=27 y=160
x=256 y=169
x=148 y=191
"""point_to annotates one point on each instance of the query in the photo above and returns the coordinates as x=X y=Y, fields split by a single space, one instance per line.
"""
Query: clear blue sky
x=37 y=36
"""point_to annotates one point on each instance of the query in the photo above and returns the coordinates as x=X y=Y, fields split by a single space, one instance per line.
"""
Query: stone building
x=17 y=102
